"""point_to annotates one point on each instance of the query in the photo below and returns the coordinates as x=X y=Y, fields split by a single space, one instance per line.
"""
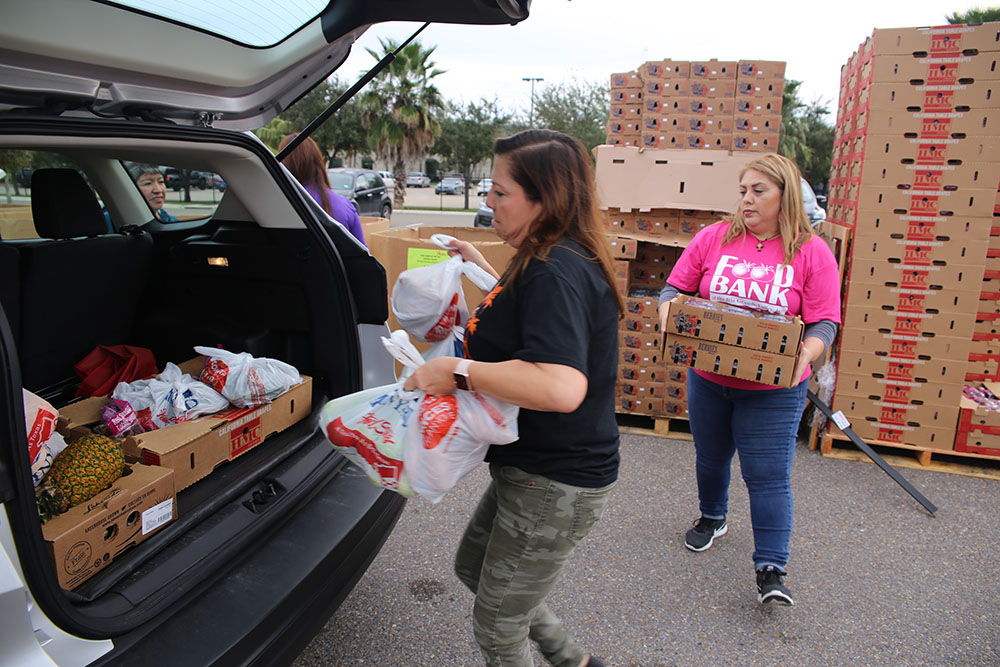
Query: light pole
x=531 y=114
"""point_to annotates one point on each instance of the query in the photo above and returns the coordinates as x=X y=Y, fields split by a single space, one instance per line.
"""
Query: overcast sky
x=588 y=40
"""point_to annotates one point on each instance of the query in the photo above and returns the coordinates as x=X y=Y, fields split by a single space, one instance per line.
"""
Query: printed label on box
x=157 y=515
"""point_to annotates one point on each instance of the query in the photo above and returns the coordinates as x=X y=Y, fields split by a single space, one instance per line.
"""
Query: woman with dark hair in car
x=307 y=166
x=149 y=180
x=545 y=339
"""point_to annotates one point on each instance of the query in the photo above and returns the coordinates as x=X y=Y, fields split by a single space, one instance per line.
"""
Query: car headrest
x=63 y=205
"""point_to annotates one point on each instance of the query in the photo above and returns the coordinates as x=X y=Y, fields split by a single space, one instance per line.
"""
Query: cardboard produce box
x=714 y=337
x=86 y=538
x=193 y=449
x=716 y=322
x=630 y=179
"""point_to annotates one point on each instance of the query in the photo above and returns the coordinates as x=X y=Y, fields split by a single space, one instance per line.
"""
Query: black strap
x=863 y=446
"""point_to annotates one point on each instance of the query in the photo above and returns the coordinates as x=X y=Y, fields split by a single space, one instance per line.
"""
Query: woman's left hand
x=436 y=377
x=812 y=349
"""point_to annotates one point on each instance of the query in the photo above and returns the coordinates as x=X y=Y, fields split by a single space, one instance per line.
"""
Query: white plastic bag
x=245 y=380
x=169 y=398
x=428 y=301
x=410 y=442
x=451 y=433
x=368 y=427
x=39 y=422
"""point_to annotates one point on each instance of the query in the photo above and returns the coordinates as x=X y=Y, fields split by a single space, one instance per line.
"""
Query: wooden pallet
x=661 y=427
x=839 y=446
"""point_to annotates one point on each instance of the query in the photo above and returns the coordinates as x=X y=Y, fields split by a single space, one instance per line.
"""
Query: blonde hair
x=793 y=223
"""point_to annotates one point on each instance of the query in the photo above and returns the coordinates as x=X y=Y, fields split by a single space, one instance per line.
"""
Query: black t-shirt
x=559 y=311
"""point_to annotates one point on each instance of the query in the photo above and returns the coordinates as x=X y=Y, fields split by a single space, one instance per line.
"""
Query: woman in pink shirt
x=766 y=258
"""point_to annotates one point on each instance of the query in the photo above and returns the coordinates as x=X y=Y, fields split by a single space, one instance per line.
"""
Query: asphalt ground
x=876 y=579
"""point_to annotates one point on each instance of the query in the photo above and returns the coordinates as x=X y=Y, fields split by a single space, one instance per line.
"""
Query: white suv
x=257 y=554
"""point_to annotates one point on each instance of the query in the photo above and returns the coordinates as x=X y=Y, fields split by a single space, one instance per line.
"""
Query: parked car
x=483 y=187
x=416 y=179
x=449 y=186
x=364 y=187
x=484 y=216
x=387 y=178
x=243 y=565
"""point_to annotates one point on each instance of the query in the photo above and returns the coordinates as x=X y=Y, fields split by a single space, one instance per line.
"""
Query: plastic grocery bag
x=451 y=433
x=169 y=398
x=428 y=301
x=245 y=380
x=411 y=442
x=44 y=442
x=368 y=428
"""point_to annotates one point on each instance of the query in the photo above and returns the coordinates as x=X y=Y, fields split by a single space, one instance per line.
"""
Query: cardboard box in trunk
x=86 y=538
x=193 y=449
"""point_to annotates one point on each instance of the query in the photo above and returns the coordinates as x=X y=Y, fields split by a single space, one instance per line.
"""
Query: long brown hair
x=793 y=222
x=554 y=170
x=306 y=165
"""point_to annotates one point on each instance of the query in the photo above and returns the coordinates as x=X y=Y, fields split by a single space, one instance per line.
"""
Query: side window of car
x=377 y=181
x=364 y=182
x=16 y=219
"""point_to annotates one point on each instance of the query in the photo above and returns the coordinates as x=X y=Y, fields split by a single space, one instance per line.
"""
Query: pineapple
x=85 y=468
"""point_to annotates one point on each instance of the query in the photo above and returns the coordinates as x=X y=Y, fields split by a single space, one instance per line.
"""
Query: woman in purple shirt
x=306 y=165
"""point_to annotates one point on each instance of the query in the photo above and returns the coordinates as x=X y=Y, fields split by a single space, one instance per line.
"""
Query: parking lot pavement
x=877 y=581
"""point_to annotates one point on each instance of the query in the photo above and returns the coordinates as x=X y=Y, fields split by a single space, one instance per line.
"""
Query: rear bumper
x=268 y=607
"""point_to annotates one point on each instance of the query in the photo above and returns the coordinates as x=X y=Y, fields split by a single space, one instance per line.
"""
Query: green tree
x=401 y=108
x=577 y=108
x=467 y=136
x=342 y=134
x=976 y=16
x=272 y=133
x=793 y=143
x=806 y=135
x=12 y=160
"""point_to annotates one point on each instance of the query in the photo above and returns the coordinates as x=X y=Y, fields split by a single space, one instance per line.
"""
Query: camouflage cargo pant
x=511 y=555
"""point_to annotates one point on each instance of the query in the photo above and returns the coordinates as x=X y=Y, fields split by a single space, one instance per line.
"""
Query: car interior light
x=218 y=261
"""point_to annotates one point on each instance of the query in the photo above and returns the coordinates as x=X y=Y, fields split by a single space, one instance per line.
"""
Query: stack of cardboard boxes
x=710 y=104
x=655 y=201
x=914 y=178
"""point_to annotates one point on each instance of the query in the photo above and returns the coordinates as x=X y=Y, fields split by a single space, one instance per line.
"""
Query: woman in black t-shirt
x=545 y=339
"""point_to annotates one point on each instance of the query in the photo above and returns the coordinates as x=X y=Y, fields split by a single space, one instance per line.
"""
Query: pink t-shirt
x=739 y=274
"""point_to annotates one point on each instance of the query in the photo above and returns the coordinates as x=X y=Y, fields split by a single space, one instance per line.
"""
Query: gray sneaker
x=704 y=533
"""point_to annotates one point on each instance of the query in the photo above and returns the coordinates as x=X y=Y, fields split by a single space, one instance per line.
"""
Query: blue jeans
x=762 y=425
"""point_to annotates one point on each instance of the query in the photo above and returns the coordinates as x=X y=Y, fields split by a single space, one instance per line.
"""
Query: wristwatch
x=462 y=379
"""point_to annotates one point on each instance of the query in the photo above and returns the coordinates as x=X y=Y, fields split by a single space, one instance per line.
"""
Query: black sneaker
x=770 y=586
x=704 y=533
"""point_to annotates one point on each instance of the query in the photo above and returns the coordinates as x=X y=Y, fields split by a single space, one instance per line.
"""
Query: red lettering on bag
x=388 y=470
x=215 y=373
x=437 y=418
x=382 y=427
x=41 y=429
x=448 y=320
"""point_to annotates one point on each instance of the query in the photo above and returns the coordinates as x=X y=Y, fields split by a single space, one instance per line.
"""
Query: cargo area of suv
x=249 y=276
x=248 y=553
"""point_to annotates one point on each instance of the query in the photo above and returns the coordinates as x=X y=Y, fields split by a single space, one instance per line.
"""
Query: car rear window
x=257 y=23
x=341 y=182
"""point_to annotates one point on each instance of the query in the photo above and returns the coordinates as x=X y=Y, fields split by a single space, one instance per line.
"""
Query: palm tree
x=400 y=107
